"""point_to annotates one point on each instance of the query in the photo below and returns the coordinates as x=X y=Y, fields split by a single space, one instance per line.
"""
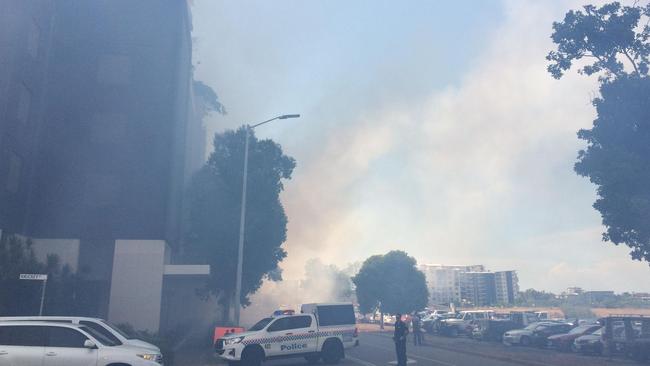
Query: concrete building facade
x=96 y=143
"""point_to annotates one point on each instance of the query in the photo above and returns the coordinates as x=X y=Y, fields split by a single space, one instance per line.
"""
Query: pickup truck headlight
x=155 y=357
x=232 y=341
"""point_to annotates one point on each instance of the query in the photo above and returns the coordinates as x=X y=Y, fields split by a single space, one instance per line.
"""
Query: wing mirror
x=90 y=344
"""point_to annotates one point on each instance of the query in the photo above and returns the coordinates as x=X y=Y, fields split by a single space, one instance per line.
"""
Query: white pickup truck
x=321 y=331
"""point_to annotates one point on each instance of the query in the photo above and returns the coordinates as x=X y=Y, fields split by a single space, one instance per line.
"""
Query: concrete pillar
x=137 y=281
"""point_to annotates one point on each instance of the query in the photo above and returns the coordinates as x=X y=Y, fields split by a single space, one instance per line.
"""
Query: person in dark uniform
x=401 y=331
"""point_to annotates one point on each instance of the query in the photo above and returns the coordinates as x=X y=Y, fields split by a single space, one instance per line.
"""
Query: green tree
x=214 y=214
x=20 y=297
x=617 y=156
x=392 y=280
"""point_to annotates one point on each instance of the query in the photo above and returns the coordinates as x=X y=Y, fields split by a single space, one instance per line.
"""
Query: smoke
x=320 y=283
x=404 y=144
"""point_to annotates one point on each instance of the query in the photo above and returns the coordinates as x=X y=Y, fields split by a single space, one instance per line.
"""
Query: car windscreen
x=260 y=324
x=580 y=329
x=118 y=330
x=336 y=315
x=99 y=337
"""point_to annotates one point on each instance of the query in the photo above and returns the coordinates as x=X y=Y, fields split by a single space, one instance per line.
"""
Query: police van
x=320 y=331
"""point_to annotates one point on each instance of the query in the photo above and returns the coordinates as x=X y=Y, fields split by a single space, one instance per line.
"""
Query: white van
x=108 y=330
x=43 y=343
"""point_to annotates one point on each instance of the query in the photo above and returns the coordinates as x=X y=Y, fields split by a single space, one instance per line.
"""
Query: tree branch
x=636 y=69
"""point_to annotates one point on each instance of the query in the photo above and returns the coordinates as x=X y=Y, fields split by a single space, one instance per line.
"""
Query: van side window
x=65 y=337
x=29 y=336
x=298 y=322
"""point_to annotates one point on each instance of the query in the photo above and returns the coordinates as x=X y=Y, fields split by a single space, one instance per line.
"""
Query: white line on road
x=360 y=362
x=432 y=360
x=414 y=356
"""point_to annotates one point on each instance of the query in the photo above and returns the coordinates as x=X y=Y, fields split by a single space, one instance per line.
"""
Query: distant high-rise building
x=507 y=286
x=478 y=288
x=444 y=281
x=470 y=284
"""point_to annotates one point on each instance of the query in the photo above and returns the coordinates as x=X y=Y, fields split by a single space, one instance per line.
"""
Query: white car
x=108 y=330
x=53 y=344
x=321 y=331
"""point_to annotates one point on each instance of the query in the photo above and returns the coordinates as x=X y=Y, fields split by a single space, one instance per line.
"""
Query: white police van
x=320 y=331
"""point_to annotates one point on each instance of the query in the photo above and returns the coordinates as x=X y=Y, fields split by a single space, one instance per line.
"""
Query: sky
x=427 y=126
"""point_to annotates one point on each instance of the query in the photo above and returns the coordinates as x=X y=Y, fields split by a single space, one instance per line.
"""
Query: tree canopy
x=609 y=35
x=214 y=207
x=392 y=280
x=617 y=156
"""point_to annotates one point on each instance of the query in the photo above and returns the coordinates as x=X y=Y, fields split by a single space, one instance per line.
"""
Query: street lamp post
x=242 y=219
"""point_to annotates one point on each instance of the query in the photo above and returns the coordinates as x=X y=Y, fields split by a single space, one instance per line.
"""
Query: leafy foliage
x=617 y=157
x=393 y=280
x=608 y=35
x=207 y=99
x=214 y=213
x=23 y=297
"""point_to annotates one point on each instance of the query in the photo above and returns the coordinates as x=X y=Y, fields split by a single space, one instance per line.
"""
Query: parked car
x=464 y=322
x=32 y=343
x=535 y=334
x=108 y=330
x=628 y=335
x=564 y=341
x=431 y=324
x=589 y=343
x=494 y=329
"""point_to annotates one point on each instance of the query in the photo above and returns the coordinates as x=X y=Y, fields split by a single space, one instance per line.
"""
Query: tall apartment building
x=478 y=288
x=507 y=286
x=95 y=125
x=444 y=281
x=471 y=285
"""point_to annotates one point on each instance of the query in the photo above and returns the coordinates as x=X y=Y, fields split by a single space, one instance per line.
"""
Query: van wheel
x=312 y=359
x=332 y=351
x=252 y=356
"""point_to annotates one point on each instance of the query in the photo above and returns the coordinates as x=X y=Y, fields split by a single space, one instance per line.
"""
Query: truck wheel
x=332 y=351
x=252 y=356
x=453 y=332
x=312 y=359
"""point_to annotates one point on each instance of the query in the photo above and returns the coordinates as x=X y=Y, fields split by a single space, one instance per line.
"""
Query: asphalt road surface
x=378 y=350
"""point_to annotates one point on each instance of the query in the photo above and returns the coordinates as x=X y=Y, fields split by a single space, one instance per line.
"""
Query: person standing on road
x=401 y=331
x=416 y=322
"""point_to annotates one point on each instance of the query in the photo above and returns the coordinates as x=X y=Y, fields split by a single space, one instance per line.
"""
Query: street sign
x=33 y=276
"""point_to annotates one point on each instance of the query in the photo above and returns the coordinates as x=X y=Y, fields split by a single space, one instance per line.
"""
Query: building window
x=24 y=103
x=15 y=172
x=33 y=39
x=114 y=70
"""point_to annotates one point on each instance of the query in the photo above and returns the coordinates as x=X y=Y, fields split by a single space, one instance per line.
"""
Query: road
x=377 y=349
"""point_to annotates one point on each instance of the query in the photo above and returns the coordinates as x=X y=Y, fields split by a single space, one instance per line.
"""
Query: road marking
x=414 y=356
x=408 y=361
x=432 y=360
x=360 y=362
